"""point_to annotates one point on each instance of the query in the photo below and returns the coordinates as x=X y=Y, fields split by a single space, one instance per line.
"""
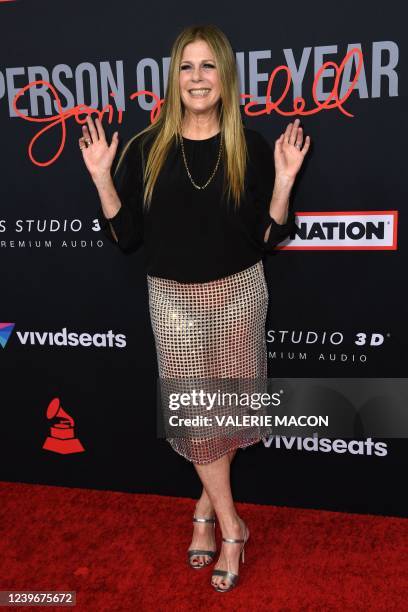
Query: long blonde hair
x=168 y=125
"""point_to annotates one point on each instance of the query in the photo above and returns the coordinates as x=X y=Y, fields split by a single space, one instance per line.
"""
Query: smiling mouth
x=199 y=93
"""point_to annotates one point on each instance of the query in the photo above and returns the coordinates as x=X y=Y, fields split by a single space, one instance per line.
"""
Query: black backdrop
x=357 y=163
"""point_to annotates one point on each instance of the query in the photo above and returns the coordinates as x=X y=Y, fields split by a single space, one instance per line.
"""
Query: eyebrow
x=204 y=60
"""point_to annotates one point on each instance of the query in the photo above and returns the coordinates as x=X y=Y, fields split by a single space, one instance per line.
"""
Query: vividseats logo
x=351 y=230
x=63 y=338
x=5 y=332
x=326 y=445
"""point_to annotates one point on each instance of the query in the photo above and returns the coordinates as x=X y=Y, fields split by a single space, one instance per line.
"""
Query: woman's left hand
x=288 y=153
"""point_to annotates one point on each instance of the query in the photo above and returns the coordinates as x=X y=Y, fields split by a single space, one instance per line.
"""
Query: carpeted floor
x=127 y=552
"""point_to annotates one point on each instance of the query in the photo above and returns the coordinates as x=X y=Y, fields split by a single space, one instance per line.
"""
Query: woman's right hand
x=98 y=156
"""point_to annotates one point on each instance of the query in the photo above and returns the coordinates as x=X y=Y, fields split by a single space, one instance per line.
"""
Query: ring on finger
x=83 y=143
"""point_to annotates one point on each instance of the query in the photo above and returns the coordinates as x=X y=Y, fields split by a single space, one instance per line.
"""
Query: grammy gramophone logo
x=62 y=438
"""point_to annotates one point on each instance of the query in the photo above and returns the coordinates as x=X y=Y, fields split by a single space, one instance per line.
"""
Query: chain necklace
x=188 y=171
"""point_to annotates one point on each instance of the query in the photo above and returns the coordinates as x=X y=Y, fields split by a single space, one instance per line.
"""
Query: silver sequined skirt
x=211 y=330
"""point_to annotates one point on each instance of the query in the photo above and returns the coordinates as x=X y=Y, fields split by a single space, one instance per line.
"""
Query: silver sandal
x=232 y=578
x=194 y=552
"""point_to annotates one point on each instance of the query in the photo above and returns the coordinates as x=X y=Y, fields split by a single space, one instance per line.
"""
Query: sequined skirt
x=209 y=331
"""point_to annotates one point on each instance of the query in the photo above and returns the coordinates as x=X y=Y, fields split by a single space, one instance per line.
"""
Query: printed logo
x=327 y=445
x=344 y=231
x=61 y=439
x=63 y=338
x=5 y=332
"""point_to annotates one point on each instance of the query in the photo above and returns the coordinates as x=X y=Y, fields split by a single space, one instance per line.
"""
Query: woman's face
x=200 y=88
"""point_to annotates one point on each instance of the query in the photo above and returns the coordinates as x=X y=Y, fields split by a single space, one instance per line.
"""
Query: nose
x=196 y=76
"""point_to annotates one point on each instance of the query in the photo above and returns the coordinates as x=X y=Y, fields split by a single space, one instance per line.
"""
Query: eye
x=184 y=66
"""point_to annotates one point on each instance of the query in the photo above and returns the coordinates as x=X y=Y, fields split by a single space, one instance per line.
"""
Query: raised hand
x=98 y=155
x=288 y=153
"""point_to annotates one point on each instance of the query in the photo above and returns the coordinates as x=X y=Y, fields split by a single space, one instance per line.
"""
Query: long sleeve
x=260 y=187
x=127 y=224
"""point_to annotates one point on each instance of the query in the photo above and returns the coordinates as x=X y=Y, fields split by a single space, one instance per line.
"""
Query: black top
x=192 y=235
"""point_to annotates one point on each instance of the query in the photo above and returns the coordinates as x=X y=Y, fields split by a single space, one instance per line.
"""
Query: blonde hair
x=168 y=125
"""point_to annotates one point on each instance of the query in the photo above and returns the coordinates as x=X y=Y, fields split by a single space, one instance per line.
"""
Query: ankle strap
x=203 y=520
x=231 y=541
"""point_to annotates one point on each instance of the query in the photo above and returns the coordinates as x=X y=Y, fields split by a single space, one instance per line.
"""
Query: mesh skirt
x=211 y=330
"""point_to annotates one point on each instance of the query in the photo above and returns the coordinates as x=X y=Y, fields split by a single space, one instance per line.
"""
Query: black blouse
x=191 y=235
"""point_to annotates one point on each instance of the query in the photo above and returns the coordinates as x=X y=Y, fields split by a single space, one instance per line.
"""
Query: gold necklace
x=188 y=171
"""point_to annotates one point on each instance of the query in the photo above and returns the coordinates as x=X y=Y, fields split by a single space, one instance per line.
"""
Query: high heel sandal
x=195 y=552
x=232 y=578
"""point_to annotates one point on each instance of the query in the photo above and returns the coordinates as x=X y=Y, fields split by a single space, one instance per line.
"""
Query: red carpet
x=126 y=552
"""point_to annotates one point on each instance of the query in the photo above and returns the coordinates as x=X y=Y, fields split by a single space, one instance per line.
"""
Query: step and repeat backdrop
x=77 y=357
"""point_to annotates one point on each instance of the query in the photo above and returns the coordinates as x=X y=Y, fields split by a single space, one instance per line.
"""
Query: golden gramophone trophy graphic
x=62 y=438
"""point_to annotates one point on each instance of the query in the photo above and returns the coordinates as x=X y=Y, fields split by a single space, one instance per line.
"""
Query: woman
x=208 y=198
